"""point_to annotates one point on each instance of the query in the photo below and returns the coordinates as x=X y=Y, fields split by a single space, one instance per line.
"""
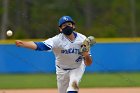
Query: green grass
x=27 y=81
x=111 y=80
x=14 y=81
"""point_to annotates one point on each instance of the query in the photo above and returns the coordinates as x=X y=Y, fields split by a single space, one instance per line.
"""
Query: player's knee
x=72 y=92
x=73 y=88
x=75 y=85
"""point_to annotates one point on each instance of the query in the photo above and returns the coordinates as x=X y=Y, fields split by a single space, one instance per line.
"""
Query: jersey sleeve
x=50 y=42
x=41 y=46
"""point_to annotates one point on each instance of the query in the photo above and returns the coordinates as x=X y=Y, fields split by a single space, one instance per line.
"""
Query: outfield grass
x=14 y=81
x=111 y=80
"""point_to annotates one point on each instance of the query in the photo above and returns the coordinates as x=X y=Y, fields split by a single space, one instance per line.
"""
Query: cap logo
x=66 y=19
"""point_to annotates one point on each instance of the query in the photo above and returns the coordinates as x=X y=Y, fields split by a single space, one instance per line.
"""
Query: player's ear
x=60 y=30
x=73 y=27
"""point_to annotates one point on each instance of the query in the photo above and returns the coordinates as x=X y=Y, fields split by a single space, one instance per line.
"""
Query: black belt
x=65 y=68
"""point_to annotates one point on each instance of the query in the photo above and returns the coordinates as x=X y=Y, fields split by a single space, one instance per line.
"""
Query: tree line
x=100 y=18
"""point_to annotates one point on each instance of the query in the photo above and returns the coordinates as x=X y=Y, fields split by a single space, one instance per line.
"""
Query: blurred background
x=114 y=23
x=39 y=19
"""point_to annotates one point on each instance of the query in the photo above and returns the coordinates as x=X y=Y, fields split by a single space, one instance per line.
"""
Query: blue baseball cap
x=65 y=19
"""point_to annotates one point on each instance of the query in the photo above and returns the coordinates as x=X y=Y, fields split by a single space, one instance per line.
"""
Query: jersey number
x=79 y=59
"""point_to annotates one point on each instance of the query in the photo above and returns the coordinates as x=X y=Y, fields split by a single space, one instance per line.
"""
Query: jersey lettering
x=70 y=51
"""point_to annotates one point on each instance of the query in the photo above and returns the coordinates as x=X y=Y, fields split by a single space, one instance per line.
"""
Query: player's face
x=65 y=25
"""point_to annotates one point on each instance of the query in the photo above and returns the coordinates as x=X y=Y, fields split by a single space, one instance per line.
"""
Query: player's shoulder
x=53 y=40
x=79 y=35
x=56 y=37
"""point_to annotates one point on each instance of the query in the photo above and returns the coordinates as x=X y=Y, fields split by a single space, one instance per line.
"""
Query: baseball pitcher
x=72 y=52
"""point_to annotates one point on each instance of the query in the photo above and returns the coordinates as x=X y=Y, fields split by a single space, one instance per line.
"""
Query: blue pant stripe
x=72 y=92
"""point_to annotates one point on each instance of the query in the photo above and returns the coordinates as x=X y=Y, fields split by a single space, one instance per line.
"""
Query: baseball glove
x=88 y=42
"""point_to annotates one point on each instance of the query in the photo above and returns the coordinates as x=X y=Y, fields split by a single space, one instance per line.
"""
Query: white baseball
x=9 y=33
